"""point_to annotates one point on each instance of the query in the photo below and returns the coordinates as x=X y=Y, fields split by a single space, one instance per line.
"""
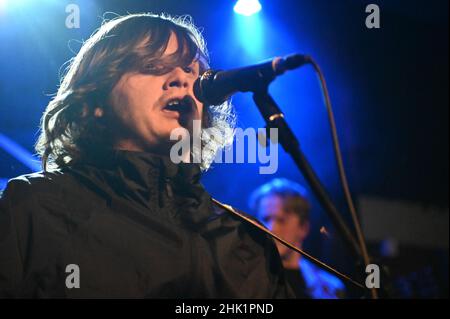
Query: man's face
x=141 y=103
x=286 y=225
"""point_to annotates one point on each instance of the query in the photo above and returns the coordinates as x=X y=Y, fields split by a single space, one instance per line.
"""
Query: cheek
x=119 y=105
x=131 y=101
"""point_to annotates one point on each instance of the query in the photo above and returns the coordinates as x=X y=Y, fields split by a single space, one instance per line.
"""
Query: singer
x=110 y=202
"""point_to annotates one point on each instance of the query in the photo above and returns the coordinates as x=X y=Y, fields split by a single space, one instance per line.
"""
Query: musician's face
x=140 y=102
x=282 y=223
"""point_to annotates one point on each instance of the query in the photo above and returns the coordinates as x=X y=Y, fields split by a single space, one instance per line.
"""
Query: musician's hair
x=294 y=197
x=70 y=131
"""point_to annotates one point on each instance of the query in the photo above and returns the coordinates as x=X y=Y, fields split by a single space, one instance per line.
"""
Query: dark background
x=388 y=86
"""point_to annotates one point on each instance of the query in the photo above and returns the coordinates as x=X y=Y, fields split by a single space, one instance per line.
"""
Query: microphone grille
x=201 y=86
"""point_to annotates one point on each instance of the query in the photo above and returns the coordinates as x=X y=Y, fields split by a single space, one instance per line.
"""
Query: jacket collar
x=154 y=182
x=143 y=166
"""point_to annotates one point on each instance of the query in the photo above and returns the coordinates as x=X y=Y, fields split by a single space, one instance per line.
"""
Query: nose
x=178 y=78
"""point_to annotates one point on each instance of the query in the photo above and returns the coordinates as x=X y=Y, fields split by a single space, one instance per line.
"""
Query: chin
x=175 y=126
x=165 y=134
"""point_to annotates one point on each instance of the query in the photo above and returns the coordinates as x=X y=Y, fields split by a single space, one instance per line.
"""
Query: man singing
x=111 y=214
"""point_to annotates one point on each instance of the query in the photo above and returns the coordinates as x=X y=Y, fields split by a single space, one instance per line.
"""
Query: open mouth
x=183 y=105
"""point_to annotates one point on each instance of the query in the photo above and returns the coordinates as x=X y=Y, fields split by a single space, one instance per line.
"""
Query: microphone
x=215 y=86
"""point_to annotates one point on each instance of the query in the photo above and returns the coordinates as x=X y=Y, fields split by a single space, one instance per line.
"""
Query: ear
x=98 y=112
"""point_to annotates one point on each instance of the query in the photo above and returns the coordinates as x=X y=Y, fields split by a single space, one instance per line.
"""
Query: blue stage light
x=19 y=152
x=3 y=181
x=2 y=5
x=247 y=7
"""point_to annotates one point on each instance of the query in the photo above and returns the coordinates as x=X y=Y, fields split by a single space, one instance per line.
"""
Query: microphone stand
x=274 y=118
x=256 y=79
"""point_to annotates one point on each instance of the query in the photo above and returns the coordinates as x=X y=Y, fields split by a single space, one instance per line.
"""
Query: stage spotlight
x=247 y=7
x=7 y=5
x=2 y=5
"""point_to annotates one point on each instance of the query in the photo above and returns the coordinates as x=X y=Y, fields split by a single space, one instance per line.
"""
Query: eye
x=188 y=69
x=155 y=69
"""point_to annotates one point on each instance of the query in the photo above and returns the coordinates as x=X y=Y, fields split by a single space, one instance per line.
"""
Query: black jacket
x=137 y=226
